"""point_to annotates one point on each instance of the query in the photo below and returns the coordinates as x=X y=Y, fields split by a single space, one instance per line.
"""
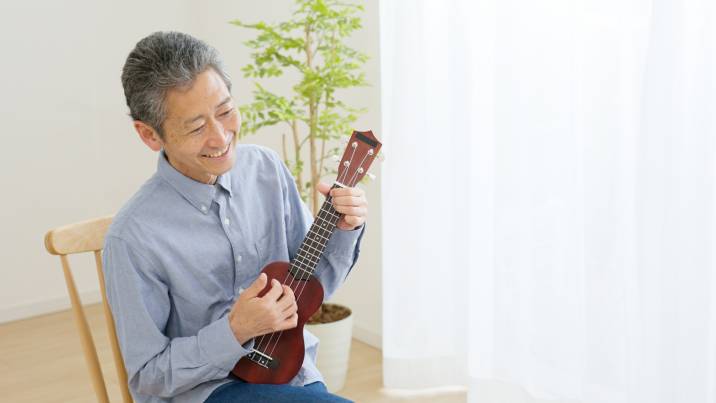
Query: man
x=182 y=257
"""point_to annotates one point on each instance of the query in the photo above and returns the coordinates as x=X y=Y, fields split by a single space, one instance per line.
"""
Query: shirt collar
x=224 y=180
x=200 y=195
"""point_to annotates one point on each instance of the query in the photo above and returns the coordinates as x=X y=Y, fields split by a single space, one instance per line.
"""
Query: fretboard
x=306 y=260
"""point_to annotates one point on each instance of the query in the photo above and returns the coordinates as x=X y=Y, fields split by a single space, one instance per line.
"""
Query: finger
x=350 y=201
x=275 y=291
x=290 y=322
x=347 y=192
x=353 y=211
x=287 y=299
x=255 y=287
x=290 y=309
x=323 y=187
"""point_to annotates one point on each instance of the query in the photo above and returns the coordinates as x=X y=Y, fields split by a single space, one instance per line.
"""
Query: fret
x=324 y=216
x=331 y=214
x=315 y=233
x=314 y=244
x=318 y=257
x=303 y=270
x=318 y=251
x=304 y=261
x=300 y=271
x=307 y=256
x=325 y=234
x=302 y=266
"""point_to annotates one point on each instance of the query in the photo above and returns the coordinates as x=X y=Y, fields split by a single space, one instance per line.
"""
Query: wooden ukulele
x=277 y=357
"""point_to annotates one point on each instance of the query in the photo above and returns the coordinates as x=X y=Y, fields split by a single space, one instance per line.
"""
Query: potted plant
x=312 y=44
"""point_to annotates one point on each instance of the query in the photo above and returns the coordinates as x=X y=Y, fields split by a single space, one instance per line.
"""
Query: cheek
x=233 y=123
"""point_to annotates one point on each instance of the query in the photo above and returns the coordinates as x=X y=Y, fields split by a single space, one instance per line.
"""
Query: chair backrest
x=88 y=236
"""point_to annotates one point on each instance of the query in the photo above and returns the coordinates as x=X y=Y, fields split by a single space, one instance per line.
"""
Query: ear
x=149 y=136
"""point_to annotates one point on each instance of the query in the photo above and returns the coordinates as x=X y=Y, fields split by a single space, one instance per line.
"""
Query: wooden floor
x=41 y=361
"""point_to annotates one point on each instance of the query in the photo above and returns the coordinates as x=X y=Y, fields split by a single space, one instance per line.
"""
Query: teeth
x=219 y=153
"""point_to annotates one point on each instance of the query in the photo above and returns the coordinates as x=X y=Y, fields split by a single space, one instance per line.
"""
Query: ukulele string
x=360 y=166
x=302 y=286
x=335 y=218
x=297 y=294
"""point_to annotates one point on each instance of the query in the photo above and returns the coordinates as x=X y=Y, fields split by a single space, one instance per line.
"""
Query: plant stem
x=323 y=153
x=297 y=154
x=312 y=113
x=283 y=149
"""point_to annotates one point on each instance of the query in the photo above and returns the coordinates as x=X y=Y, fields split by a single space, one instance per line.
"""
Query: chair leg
x=88 y=346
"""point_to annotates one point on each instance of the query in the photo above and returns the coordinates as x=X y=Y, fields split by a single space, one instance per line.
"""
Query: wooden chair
x=88 y=236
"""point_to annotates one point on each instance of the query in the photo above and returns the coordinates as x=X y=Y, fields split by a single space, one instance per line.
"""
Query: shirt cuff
x=219 y=345
x=346 y=243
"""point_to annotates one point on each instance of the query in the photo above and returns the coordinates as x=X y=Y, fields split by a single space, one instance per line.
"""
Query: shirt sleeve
x=140 y=304
x=342 y=249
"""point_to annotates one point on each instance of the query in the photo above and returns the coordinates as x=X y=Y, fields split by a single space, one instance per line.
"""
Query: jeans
x=239 y=391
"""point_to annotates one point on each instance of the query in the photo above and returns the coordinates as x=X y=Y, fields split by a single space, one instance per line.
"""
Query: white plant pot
x=333 y=350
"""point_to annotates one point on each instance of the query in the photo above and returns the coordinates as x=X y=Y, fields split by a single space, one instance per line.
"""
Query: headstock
x=361 y=151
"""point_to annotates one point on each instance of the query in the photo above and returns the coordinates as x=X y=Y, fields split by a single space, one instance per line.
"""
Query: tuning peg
x=335 y=158
x=370 y=176
x=344 y=140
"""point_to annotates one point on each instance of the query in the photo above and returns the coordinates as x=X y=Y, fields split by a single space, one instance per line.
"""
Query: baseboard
x=367 y=336
x=28 y=310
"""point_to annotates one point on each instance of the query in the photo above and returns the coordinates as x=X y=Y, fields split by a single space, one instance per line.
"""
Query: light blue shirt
x=179 y=253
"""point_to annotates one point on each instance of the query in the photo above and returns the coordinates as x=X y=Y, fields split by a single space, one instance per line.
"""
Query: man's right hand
x=252 y=316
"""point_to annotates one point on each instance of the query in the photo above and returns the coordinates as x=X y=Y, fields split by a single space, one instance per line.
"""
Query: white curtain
x=548 y=199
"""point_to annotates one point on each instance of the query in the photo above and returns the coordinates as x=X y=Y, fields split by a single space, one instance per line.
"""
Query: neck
x=207 y=178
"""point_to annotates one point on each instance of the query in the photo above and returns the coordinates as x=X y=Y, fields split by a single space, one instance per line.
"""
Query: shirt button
x=238 y=258
x=227 y=221
x=203 y=208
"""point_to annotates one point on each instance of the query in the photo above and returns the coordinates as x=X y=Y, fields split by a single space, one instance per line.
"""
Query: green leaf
x=323 y=26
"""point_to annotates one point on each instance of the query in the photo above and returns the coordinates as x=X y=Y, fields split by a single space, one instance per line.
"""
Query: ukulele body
x=282 y=357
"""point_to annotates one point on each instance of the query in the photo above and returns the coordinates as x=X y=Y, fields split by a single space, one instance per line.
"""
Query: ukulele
x=277 y=357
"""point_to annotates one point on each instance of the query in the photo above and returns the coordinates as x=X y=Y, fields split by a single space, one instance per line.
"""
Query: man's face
x=200 y=128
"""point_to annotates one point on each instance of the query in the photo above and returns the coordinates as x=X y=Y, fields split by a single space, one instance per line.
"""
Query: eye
x=227 y=112
x=197 y=130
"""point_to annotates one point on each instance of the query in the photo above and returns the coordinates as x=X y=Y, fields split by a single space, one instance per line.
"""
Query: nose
x=215 y=135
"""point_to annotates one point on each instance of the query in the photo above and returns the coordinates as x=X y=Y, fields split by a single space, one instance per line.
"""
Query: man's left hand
x=350 y=202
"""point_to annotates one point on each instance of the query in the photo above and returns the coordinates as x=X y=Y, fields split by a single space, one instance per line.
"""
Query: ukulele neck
x=306 y=260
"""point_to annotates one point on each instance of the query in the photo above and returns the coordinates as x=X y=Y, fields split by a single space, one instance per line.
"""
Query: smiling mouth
x=218 y=154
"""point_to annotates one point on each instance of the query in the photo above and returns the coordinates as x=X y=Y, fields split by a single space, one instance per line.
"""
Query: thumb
x=324 y=188
x=256 y=287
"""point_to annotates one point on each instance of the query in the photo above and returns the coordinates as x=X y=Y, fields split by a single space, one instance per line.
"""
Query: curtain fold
x=548 y=208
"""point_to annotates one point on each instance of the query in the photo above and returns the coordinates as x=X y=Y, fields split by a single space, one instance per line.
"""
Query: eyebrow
x=197 y=117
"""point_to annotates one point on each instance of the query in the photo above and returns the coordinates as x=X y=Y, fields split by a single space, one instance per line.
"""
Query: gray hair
x=160 y=62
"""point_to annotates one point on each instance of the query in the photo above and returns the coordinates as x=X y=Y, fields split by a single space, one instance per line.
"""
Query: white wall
x=70 y=151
